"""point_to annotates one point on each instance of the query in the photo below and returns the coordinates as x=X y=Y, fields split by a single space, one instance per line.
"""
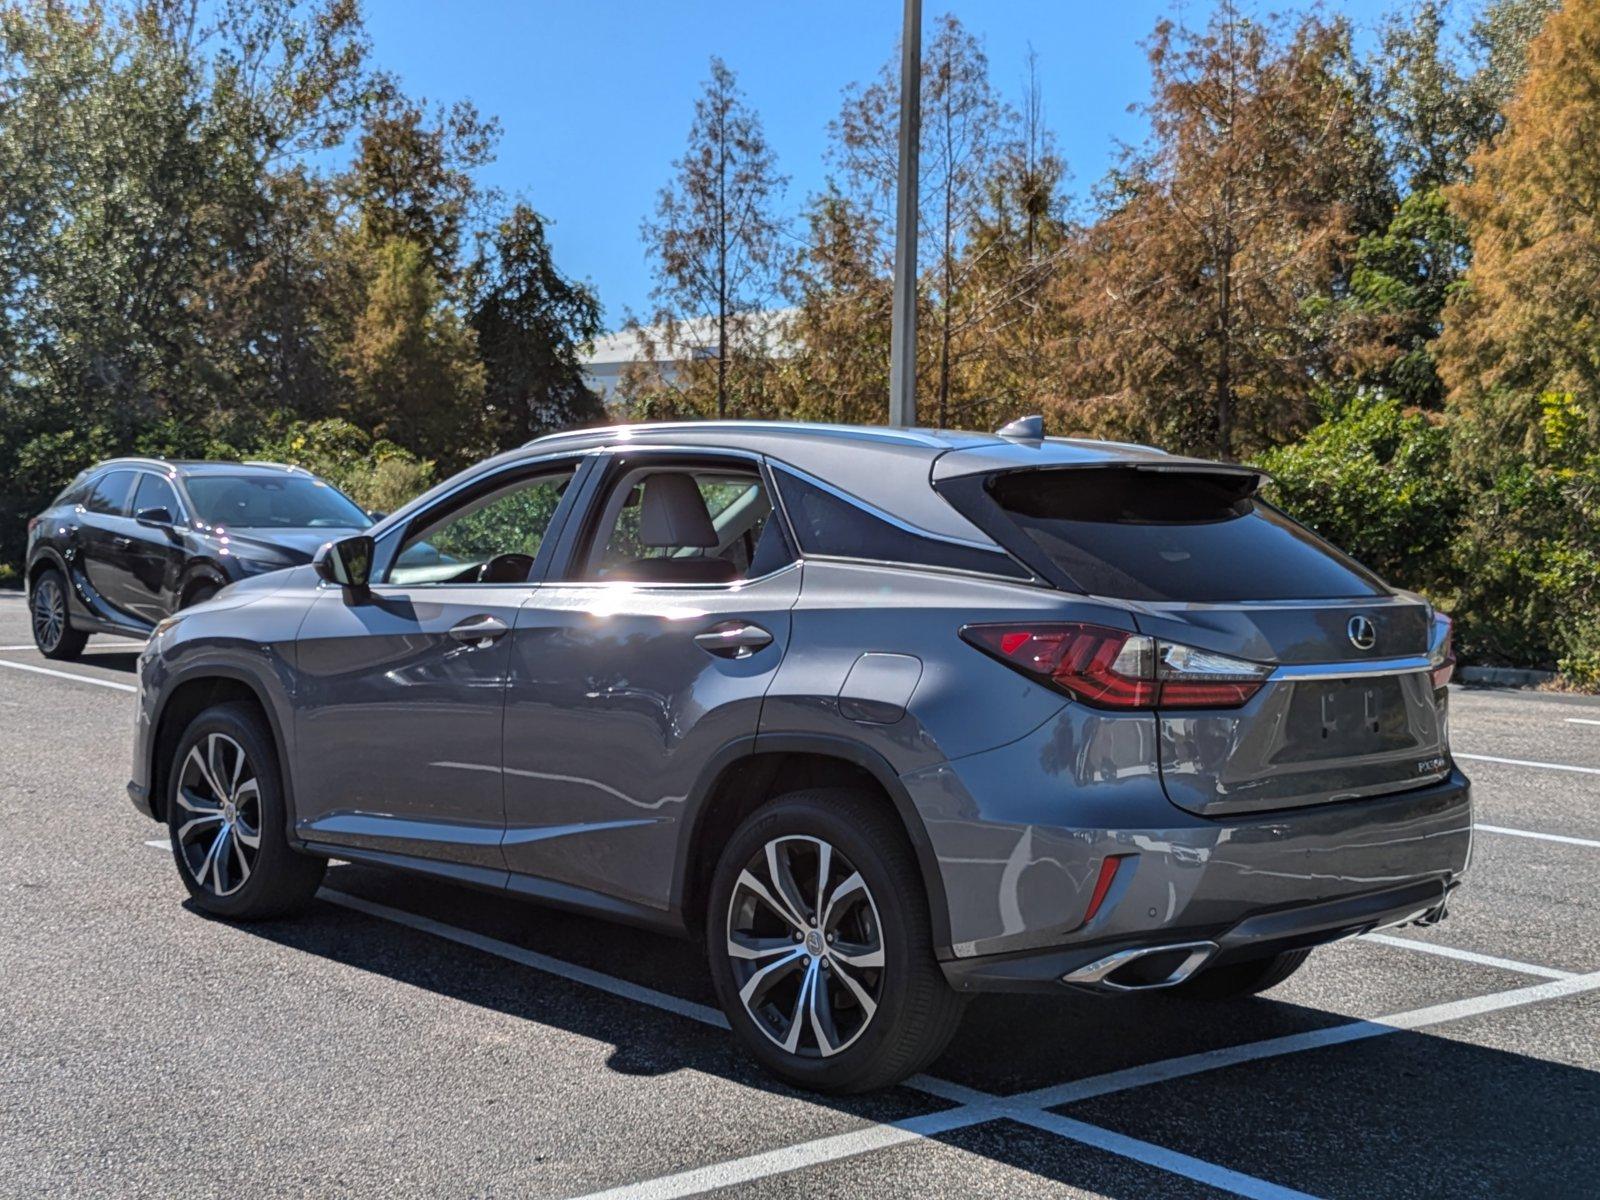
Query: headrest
x=673 y=513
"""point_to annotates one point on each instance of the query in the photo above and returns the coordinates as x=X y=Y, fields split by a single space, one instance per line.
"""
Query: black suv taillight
x=1113 y=668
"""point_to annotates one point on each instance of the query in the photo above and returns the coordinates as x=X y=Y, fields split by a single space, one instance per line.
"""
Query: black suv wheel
x=820 y=946
x=52 y=627
x=226 y=813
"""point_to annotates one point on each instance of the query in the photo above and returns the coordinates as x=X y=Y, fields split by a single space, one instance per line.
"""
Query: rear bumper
x=1257 y=936
x=1020 y=853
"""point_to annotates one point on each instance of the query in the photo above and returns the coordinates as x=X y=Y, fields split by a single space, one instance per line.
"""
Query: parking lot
x=406 y=1037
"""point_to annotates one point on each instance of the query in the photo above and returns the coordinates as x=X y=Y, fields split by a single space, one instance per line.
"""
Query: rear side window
x=109 y=493
x=830 y=525
x=1144 y=535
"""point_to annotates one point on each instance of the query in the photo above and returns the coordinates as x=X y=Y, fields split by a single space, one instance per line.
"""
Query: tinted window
x=828 y=524
x=504 y=526
x=1142 y=535
x=272 y=502
x=73 y=493
x=107 y=494
x=155 y=492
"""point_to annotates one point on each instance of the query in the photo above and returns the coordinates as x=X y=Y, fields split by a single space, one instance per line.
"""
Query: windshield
x=272 y=502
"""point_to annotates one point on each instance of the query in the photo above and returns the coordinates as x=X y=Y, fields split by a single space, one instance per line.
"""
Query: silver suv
x=884 y=716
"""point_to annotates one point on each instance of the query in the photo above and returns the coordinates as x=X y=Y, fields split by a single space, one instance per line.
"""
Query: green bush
x=376 y=474
x=1374 y=479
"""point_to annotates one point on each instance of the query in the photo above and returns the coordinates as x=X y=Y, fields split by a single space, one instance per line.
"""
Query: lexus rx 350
x=885 y=717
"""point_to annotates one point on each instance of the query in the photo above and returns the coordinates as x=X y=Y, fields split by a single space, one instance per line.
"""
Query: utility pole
x=903 y=333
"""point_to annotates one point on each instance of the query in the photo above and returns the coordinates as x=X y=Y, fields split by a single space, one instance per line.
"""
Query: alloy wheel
x=218 y=833
x=49 y=614
x=806 y=946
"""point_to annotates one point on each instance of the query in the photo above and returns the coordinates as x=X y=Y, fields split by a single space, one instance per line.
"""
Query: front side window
x=272 y=502
x=155 y=492
x=670 y=524
x=491 y=537
x=109 y=493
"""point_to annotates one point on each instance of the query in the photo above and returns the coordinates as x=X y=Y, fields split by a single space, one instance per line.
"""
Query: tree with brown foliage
x=1195 y=289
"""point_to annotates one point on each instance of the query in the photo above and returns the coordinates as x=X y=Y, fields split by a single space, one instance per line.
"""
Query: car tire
x=1232 y=980
x=225 y=792
x=879 y=1008
x=50 y=619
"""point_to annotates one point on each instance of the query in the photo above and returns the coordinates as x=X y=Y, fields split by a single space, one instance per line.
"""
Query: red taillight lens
x=1442 y=652
x=1115 y=668
x=1110 y=668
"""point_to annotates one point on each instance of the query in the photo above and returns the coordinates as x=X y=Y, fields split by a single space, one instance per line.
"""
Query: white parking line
x=1581 y=721
x=1543 y=837
x=974 y=1107
x=1523 y=762
x=105 y=683
x=23 y=646
x=1483 y=960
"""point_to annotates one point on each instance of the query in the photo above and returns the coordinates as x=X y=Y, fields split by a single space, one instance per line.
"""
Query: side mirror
x=347 y=562
x=153 y=516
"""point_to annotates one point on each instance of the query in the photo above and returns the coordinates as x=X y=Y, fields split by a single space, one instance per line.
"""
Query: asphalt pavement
x=410 y=1038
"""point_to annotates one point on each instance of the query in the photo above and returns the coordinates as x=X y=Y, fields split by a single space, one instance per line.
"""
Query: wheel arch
x=187 y=698
x=45 y=558
x=754 y=770
x=198 y=571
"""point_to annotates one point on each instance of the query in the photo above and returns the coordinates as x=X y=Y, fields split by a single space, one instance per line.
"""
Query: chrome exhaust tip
x=1143 y=969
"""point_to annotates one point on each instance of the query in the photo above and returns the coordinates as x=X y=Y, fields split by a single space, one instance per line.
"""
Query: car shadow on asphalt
x=1402 y=1115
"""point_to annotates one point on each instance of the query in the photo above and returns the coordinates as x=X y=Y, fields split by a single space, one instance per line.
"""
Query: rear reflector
x=1102 y=885
x=1118 y=669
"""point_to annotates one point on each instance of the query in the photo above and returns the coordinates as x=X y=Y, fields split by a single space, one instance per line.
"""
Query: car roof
x=886 y=468
x=200 y=466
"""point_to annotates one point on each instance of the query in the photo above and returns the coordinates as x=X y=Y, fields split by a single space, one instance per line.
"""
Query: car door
x=646 y=653
x=147 y=579
x=103 y=539
x=400 y=691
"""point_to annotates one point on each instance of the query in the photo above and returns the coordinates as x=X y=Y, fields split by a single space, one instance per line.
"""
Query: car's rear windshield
x=272 y=502
x=1147 y=535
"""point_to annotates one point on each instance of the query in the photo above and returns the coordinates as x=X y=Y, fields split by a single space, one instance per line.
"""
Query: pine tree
x=717 y=241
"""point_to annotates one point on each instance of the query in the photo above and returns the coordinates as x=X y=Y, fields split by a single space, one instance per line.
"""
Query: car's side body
x=594 y=755
x=124 y=574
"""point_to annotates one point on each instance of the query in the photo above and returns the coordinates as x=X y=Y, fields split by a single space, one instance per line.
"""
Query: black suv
x=135 y=539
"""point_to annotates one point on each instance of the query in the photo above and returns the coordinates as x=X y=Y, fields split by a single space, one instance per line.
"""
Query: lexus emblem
x=1363 y=633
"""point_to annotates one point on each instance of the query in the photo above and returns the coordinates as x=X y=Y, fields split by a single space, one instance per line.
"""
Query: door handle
x=480 y=630
x=733 y=639
x=120 y=542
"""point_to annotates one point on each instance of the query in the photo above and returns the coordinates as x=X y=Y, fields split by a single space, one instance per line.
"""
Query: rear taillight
x=1113 y=668
x=1442 y=650
x=33 y=523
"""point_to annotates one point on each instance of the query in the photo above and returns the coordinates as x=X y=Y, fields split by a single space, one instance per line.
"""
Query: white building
x=613 y=353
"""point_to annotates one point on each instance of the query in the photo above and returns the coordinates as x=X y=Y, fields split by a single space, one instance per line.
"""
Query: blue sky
x=596 y=96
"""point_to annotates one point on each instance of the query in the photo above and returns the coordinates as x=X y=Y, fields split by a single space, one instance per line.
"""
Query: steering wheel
x=506 y=568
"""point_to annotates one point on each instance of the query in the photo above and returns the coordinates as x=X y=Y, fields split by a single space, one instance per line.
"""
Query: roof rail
x=261 y=462
x=916 y=437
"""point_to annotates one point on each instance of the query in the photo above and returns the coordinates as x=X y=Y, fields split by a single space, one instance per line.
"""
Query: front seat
x=673 y=516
